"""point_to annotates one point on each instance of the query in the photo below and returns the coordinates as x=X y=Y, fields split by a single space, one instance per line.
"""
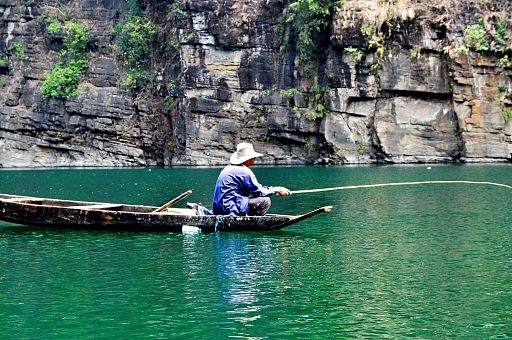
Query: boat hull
x=43 y=212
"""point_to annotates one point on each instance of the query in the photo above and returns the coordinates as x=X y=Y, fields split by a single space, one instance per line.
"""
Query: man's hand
x=282 y=191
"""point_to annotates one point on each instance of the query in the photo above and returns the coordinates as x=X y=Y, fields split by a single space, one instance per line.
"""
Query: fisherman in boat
x=238 y=192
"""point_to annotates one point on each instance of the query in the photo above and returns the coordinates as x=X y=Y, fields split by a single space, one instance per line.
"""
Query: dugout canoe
x=56 y=213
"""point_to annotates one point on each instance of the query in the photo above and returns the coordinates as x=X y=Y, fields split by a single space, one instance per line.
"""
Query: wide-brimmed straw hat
x=244 y=152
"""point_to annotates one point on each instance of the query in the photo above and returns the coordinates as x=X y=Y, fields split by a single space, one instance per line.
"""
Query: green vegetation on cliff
x=356 y=53
x=314 y=97
x=17 y=50
x=134 y=39
x=479 y=39
x=507 y=114
x=501 y=38
x=62 y=82
x=475 y=36
x=4 y=62
x=75 y=41
x=310 y=21
x=54 y=27
x=308 y=17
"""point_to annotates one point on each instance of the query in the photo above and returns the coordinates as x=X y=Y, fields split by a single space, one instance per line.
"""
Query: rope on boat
x=397 y=184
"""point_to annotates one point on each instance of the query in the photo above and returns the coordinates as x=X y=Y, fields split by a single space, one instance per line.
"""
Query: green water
x=430 y=261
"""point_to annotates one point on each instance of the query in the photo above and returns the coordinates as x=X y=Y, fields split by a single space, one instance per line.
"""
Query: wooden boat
x=55 y=213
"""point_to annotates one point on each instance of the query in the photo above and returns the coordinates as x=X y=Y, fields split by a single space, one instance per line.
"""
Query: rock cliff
x=385 y=81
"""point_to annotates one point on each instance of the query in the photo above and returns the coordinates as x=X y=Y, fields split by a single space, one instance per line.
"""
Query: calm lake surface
x=428 y=261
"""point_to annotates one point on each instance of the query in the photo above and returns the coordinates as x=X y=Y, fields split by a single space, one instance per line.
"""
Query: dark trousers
x=259 y=206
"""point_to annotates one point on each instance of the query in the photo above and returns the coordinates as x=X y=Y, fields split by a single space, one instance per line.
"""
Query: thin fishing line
x=397 y=184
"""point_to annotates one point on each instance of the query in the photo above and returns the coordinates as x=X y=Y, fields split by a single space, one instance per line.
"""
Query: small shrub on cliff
x=355 y=53
x=4 y=62
x=133 y=80
x=316 y=111
x=62 y=82
x=507 y=114
x=291 y=93
x=366 y=30
x=316 y=100
x=416 y=53
x=377 y=43
x=17 y=50
x=360 y=148
x=133 y=41
x=503 y=62
x=500 y=43
x=54 y=28
x=75 y=41
x=310 y=16
x=475 y=36
x=478 y=39
x=174 y=15
x=461 y=50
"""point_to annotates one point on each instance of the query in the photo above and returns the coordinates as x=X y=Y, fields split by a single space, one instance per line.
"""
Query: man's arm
x=255 y=187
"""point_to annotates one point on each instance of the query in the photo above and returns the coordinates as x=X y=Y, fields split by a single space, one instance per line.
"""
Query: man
x=237 y=191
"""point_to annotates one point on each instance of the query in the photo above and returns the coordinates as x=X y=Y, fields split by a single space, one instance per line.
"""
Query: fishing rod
x=397 y=184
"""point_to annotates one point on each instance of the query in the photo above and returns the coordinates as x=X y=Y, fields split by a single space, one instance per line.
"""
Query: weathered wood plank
x=22 y=199
x=101 y=206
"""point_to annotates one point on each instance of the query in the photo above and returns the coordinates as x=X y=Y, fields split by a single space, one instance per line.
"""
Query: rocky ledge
x=394 y=82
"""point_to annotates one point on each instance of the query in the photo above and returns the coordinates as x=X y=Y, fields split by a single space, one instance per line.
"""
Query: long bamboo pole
x=171 y=202
x=397 y=184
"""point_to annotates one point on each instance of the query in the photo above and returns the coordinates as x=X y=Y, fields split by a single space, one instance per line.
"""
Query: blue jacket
x=236 y=183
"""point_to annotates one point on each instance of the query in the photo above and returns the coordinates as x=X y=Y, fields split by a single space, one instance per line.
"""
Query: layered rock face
x=102 y=126
x=240 y=79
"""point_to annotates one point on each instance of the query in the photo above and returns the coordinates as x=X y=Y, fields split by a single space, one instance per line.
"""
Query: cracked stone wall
x=238 y=81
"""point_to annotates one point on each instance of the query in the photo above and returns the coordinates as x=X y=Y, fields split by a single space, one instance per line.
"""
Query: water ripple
x=420 y=262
